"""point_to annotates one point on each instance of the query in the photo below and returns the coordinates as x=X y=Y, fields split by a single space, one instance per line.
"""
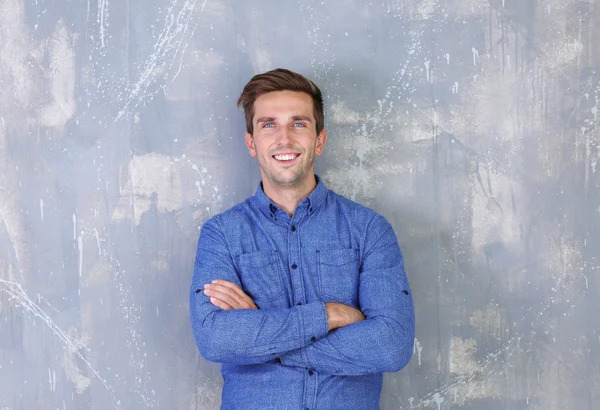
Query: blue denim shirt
x=281 y=356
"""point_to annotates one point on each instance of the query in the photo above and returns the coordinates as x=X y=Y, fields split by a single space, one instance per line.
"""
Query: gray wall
x=470 y=124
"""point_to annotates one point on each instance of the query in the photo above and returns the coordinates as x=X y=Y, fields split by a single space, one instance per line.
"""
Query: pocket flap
x=338 y=257
x=258 y=259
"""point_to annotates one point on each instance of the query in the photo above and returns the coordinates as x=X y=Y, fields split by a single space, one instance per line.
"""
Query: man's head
x=280 y=79
x=285 y=126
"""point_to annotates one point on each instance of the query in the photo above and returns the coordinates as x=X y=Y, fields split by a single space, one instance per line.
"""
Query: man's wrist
x=332 y=316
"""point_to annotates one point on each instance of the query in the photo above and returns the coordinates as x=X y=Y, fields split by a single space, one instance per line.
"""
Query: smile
x=286 y=157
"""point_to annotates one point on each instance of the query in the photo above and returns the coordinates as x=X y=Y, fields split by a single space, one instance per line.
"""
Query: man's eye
x=298 y=124
x=268 y=125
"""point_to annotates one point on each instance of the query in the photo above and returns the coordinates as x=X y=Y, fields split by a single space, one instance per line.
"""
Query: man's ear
x=321 y=138
x=250 y=144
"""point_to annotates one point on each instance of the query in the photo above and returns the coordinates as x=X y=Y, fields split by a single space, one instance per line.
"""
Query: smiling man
x=299 y=292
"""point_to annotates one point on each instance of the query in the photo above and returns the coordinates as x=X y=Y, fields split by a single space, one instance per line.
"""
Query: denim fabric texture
x=281 y=356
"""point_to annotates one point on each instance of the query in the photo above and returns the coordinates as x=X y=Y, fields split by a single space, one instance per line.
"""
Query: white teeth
x=285 y=157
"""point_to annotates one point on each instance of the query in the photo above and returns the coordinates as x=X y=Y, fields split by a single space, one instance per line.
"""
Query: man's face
x=285 y=140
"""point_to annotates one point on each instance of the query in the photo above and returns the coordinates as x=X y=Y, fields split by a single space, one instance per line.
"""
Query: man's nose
x=283 y=136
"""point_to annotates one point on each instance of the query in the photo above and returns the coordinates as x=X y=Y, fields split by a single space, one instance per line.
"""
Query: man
x=299 y=292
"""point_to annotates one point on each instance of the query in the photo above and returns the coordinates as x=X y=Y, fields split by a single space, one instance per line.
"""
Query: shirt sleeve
x=243 y=336
x=384 y=341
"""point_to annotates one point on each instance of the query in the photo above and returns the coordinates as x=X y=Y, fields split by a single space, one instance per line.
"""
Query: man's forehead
x=286 y=104
x=283 y=97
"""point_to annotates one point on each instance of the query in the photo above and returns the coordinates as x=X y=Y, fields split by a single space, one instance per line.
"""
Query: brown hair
x=280 y=79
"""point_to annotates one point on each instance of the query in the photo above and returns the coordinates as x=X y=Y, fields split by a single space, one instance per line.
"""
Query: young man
x=299 y=292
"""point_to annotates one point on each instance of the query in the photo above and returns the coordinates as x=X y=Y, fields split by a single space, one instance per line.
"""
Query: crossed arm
x=329 y=337
x=229 y=296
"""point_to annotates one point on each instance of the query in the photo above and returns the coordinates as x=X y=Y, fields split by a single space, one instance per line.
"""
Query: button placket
x=294 y=260
x=311 y=388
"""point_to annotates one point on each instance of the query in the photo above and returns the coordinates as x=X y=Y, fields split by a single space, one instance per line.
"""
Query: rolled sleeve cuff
x=314 y=321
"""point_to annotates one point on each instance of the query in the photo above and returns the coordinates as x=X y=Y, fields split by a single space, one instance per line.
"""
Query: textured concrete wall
x=470 y=124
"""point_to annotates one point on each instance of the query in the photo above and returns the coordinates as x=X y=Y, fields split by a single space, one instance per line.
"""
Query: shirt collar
x=312 y=201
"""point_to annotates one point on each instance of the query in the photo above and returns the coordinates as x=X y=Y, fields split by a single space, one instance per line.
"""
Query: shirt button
x=294 y=266
x=299 y=303
x=293 y=228
x=313 y=339
x=310 y=372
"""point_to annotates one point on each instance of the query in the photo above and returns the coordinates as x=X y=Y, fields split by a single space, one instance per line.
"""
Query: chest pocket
x=260 y=274
x=338 y=275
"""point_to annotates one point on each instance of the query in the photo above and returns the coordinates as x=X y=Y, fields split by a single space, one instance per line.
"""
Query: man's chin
x=285 y=182
x=287 y=179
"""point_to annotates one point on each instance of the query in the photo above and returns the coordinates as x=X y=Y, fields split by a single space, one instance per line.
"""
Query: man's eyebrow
x=293 y=118
x=301 y=118
x=265 y=119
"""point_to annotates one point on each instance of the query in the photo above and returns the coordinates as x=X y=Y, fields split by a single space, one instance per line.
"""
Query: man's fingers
x=225 y=302
x=219 y=303
x=225 y=296
x=228 y=295
x=233 y=290
x=223 y=292
x=230 y=285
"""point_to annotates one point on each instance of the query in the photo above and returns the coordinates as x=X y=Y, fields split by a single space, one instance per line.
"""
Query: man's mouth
x=286 y=158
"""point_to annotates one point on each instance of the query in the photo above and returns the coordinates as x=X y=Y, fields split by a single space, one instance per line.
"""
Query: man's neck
x=288 y=198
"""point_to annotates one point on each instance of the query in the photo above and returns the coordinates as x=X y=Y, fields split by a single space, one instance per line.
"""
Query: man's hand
x=228 y=295
x=340 y=315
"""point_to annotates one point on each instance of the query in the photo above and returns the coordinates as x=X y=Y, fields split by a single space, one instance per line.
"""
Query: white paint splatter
x=98 y=241
x=594 y=164
x=411 y=400
x=508 y=62
x=438 y=400
x=455 y=88
x=342 y=114
x=52 y=379
x=166 y=49
x=448 y=58
x=130 y=312
x=586 y=282
x=19 y=296
x=475 y=55
x=80 y=245
x=427 y=68
x=418 y=348
x=74 y=227
x=195 y=168
x=42 y=208
x=102 y=14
